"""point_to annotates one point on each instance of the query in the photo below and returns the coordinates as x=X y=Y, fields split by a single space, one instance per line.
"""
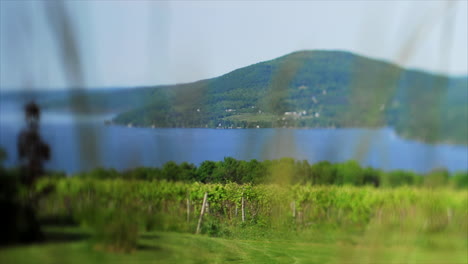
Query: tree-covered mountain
x=302 y=89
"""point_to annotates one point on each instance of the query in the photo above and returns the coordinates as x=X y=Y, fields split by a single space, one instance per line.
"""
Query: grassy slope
x=165 y=247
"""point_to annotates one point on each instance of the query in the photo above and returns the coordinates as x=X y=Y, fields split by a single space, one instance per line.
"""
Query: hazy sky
x=132 y=43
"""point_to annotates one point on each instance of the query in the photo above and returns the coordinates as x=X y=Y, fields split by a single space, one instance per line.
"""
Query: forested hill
x=304 y=89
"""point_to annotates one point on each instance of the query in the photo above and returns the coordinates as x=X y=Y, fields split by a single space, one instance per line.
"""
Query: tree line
x=285 y=170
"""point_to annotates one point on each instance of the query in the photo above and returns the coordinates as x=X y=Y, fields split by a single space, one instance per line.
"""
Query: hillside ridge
x=307 y=89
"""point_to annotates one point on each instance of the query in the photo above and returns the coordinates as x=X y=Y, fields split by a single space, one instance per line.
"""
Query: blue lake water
x=84 y=142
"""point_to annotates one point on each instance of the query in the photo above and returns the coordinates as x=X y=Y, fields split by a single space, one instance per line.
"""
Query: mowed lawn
x=73 y=246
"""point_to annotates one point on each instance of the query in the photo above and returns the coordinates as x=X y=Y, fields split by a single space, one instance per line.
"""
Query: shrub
x=460 y=180
x=116 y=230
x=436 y=178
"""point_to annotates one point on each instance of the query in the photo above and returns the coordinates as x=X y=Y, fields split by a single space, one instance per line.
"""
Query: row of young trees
x=287 y=171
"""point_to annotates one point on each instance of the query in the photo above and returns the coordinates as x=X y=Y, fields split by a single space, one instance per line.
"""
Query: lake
x=83 y=142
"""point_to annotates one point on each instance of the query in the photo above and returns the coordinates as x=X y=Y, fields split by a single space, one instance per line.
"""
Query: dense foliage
x=163 y=205
x=286 y=170
x=276 y=199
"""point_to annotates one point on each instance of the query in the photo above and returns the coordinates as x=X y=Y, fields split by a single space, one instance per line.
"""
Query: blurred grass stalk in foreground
x=365 y=102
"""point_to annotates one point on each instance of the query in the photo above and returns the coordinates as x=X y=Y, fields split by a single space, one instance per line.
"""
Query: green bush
x=118 y=233
x=115 y=224
x=460 y=179
x=436 y=178
x=116 y=230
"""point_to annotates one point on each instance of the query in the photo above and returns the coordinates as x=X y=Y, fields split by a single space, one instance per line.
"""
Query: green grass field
x=73 y=245
x=128 y=221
